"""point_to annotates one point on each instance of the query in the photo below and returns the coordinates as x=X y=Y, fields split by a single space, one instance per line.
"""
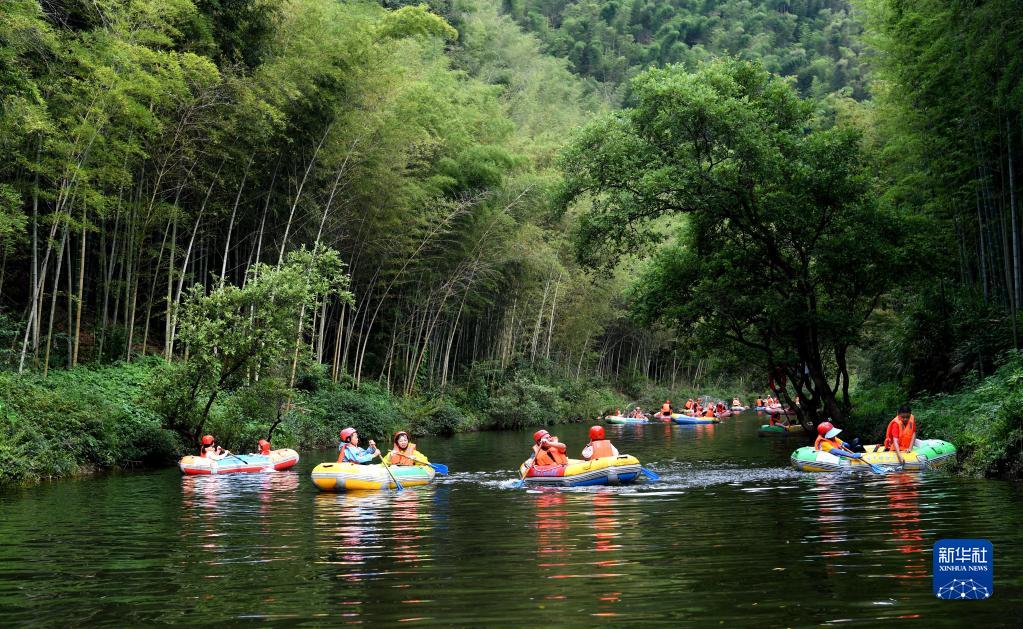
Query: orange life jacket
x=550 y=456
x=665 y=408
x=901 y=431
x=689 y=405
x=601 y=449
x=834 y=441
x=265 y=450
x=341 y=452
x=403 y=457
x=709 y=412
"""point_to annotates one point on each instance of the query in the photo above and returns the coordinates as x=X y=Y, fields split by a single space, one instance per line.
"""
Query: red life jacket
x=601 y=449
x=341 y=452
x=403 y=457
x=265 y=450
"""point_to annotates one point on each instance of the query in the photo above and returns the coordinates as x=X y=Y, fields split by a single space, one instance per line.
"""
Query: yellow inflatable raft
x=349 y=476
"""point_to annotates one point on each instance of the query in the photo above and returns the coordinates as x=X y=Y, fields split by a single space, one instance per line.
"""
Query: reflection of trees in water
x=579 y=536
x=831 y=522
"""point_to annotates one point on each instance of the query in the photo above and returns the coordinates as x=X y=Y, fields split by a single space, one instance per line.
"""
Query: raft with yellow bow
x=351 y=476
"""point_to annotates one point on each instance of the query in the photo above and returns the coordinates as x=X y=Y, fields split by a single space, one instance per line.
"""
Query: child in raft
x=210 y=450
x=598 y=447
x=264 y=447
x=350 y=452
x=404 y=452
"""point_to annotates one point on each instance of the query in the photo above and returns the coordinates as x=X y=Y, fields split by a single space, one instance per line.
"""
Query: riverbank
x=984 y=419
x=90 y=419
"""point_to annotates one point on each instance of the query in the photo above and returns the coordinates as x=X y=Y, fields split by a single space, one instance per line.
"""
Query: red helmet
x=207 y=440
x=347 y=433
x=539 y=434
x=400 y=433
x=823 y=428
x=597 y=433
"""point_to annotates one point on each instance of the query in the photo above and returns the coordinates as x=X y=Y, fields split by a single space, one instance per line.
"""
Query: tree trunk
x=53 y=302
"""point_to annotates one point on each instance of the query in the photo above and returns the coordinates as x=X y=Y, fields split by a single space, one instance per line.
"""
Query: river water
x=730 y=535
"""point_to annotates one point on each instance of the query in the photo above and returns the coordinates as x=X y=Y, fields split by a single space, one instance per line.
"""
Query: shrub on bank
x=984 y=420
x=77 y=421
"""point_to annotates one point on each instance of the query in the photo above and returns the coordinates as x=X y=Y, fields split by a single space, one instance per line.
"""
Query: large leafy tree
x=784 y=251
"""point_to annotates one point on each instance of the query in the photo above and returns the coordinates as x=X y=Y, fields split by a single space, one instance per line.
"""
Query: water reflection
x=903 y=492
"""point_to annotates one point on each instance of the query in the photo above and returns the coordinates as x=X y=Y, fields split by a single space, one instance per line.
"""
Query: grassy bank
x=984 y=419
x=94 y=418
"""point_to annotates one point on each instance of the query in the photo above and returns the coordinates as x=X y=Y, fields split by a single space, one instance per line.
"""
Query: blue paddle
x=650 y=474
x=387 y=467
x=440 y=468
x=522 y=479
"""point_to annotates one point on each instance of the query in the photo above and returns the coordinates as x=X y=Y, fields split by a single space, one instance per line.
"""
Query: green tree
x=783 y=252
x=237 y=334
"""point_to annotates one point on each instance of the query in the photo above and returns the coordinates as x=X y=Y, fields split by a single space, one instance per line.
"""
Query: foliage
x=772 y=199
x=78 y=421
x=815 y=41
x=237 y=333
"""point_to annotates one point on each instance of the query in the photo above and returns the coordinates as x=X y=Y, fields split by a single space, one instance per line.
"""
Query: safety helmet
x=539 y=434
x=823 y=428
x=400 y=433
x=207 y=440
x=596 y=433
x=347 y=433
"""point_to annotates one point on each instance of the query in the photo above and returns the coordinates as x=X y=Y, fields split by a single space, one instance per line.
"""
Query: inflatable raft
x=685 y=419
x=618 y=419
x=778 y=430
x=613 y=470
x=738 y=409
x=662 y=417
x=928 y=453
x=349 y=476
x=239 y=463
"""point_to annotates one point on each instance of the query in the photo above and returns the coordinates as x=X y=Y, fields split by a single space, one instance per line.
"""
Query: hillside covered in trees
x=266 y=216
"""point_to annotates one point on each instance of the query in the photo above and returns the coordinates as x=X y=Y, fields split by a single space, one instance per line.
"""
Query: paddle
x=877 y=469
x=650 y=474
x=522 y=479
x=387 y=467
x=440 y=468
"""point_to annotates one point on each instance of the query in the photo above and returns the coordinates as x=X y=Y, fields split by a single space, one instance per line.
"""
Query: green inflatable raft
x=928 y=454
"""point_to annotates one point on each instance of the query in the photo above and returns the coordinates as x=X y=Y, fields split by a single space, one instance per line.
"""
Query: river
x=730 y=535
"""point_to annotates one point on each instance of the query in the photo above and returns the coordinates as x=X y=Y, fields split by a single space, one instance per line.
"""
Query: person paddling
x=828 y=441
x=264 y=447
x=901 y=433
x=350 y=452
x=599 y=446
x=210 y=450
x=551 y=452
x=404 y=452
